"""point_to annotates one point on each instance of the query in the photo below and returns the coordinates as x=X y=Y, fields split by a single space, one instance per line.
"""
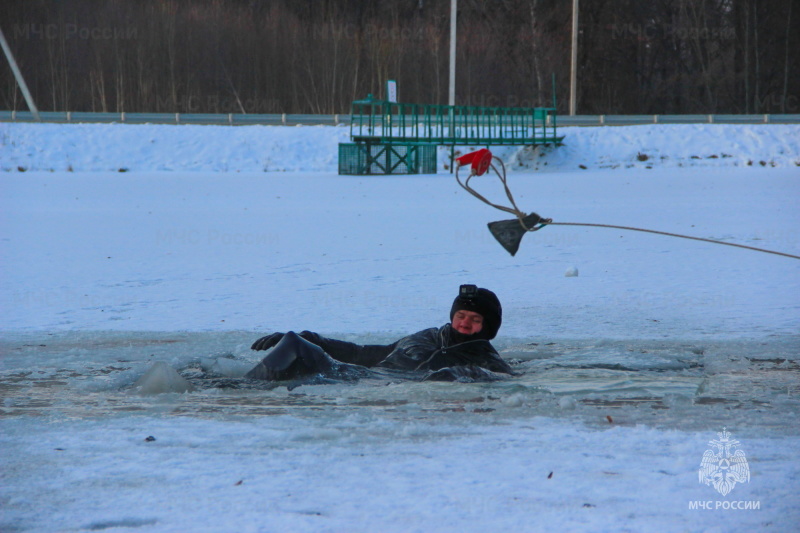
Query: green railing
x=380 y=122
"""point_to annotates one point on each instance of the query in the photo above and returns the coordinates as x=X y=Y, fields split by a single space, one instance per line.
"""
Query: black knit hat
x=481 y=301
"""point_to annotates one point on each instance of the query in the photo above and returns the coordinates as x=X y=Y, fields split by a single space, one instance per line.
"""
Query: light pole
x=573 y=76
x=451 y=100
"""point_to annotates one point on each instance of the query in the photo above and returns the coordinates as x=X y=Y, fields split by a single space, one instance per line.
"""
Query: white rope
x=514 y=210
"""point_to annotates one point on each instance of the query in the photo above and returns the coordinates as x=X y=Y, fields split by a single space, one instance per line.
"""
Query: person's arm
x=346 y=352
x=350 y=352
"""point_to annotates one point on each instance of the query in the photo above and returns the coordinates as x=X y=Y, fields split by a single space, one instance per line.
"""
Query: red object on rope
x=480 y=160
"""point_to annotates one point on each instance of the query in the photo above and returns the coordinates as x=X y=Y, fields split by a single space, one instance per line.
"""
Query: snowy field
x=124 y=245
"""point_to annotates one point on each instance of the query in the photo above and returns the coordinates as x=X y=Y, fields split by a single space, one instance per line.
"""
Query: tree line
x=317 y=56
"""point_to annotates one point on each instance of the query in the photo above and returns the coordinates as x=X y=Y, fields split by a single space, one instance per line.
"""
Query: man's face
x=467 y=322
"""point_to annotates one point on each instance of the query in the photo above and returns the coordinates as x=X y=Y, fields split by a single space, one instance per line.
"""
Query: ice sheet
x=626 y=370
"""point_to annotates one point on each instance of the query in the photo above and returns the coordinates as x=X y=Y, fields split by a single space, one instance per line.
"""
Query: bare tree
x=317 y=56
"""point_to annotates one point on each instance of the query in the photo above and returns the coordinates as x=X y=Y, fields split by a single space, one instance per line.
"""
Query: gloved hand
x=315 y=338
x=265 y=343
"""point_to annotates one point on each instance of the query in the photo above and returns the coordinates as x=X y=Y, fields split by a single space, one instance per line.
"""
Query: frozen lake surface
x=626 y=371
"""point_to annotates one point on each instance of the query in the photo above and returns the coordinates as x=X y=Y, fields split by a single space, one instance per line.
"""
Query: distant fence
x=634 y=120
x=233 y=119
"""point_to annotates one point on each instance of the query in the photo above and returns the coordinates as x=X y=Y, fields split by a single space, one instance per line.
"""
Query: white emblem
x=724 y=468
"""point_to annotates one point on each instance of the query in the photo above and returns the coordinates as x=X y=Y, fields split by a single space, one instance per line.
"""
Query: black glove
x=314 y=338
x=265 y=343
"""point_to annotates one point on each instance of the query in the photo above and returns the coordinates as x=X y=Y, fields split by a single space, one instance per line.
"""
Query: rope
x=514 y=210
x=671 y=235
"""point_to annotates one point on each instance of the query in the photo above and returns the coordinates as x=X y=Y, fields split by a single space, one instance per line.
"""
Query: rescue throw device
x=509 y=233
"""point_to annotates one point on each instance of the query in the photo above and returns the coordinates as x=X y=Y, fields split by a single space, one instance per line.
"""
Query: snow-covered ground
x=157 y=148
x=126 y=244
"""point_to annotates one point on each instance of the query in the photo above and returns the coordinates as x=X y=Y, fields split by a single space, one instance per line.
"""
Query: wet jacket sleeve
x=349 y=352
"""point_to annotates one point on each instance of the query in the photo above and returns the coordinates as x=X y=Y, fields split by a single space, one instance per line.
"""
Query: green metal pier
x=398 y=138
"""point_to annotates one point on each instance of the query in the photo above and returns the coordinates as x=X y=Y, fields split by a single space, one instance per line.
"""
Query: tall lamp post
x=573 y=76
x=451 y=97
x=451 y=100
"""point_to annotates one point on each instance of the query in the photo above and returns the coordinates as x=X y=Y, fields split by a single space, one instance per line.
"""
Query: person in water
x=459 y=350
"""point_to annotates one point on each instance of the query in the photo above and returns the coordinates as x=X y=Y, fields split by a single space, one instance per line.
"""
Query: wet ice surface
x=590 y=436
x=686 y=385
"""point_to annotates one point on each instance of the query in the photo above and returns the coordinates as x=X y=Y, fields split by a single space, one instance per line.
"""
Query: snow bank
x=159 y=147
x=670 y=146
x=155 y=148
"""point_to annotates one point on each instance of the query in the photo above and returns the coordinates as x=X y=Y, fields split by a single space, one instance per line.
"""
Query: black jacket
x=432 y=349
